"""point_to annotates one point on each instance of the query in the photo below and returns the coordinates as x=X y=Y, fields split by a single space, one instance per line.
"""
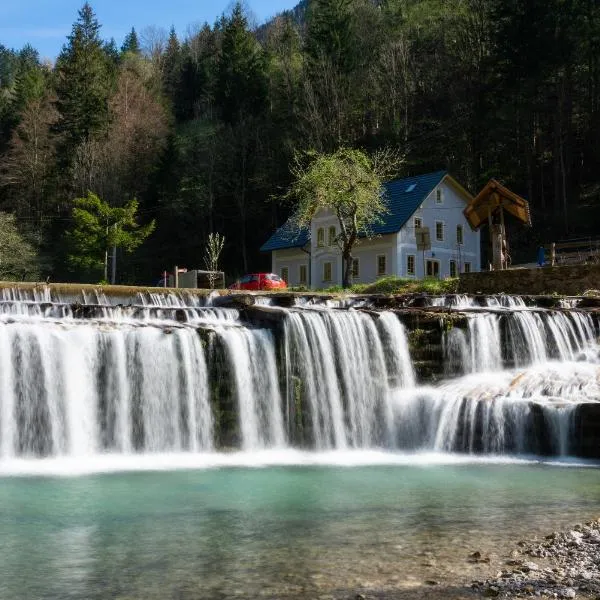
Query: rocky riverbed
x=563 y=565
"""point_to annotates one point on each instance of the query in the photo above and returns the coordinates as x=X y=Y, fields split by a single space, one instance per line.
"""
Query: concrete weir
x=89 y=370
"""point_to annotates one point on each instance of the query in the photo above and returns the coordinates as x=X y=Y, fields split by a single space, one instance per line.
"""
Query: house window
x=285 y=274
x=459 y=234
x=381 y=264
x=439 y=231
x=410 y=264
x=332 y=236
x=467 y=267
x=303 y=275
x=439 y=198
x=320 y=237
x=418 y=224
x=327 y=271
x=453 y=270
x=355 y=268
x=432 y=268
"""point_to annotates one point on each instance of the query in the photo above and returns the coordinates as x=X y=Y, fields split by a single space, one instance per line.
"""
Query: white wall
x=291 y=258
x=450 y=212
x=395 y=247
x=366 y=251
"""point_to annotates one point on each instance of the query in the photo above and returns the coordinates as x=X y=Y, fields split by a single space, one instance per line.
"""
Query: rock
x=491 y=592
x=568 y=593
x=431 y=582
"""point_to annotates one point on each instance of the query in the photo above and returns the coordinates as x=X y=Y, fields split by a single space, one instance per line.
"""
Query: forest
x=196 y=133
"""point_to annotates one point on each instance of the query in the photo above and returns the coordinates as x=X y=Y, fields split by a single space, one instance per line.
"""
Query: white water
x=172 y=375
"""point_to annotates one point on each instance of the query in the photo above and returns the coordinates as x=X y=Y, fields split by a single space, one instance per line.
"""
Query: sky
x=45 y=24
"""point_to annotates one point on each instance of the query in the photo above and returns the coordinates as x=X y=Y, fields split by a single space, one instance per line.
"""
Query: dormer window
x=320 y=237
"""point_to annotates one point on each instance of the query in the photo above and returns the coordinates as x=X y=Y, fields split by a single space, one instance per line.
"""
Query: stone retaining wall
x=569 y=280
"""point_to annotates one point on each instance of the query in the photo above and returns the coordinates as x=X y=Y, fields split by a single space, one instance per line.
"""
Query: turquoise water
x=274 y=532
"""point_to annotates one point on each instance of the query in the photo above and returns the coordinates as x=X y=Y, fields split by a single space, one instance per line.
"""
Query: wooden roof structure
x=493 y=198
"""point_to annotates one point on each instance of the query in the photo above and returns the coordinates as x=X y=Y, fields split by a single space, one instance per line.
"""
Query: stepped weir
x=88 y=374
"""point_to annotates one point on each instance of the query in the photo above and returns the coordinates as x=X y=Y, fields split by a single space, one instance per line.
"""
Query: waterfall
x=81 y=389
x=85 y=375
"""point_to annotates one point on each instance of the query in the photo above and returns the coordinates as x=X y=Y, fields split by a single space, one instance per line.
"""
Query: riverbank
x=563 y=565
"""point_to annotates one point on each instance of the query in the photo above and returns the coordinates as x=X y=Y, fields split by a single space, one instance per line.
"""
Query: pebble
x=573 y=565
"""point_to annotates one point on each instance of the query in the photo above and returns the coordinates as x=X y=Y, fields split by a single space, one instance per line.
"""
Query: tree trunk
x=347 y=268
x=113 y=266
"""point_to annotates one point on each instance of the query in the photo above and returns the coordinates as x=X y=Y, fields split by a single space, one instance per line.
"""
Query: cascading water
x=175 y=373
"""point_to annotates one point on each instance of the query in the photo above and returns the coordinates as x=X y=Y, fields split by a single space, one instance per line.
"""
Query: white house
x=435 y=200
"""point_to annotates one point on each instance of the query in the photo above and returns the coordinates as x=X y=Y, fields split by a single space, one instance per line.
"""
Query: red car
x=259 y=281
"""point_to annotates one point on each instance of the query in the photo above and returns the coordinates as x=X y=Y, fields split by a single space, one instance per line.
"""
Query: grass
x=399 y=285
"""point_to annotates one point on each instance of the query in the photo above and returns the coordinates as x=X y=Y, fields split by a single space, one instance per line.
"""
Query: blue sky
x=46 y=23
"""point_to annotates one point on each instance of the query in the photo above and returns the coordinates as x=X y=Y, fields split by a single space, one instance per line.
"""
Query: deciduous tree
x=348 y=183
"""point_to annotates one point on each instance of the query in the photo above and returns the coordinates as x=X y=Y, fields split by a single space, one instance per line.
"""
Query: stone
x=491 y=592
x=568 y=593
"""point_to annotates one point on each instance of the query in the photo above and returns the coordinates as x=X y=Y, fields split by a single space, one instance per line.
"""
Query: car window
x=246 y=279
x=253 y=278
x=273 y=277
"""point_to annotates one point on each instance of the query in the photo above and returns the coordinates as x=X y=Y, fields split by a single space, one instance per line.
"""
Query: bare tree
x=26 y=166
x=214 y=247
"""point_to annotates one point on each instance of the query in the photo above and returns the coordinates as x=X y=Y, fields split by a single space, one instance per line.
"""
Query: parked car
x=259 y=281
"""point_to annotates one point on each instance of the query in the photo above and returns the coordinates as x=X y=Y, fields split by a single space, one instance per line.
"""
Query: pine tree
x=83 y=82
x=242 y=87
x=172 y=67
x=131 y=43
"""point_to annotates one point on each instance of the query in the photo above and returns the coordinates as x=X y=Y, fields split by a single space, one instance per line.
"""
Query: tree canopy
x=99 y=228
x=349 y=184
x=202 y=127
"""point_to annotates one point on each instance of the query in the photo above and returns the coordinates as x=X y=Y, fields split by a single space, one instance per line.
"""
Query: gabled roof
x=403 y=197
x=493 y=196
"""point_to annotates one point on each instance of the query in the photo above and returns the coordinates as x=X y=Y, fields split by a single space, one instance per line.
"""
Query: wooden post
x=503 y=261
x=176 y=276
x=553 y=253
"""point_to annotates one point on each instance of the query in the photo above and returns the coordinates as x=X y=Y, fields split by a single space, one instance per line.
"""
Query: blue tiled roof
x=287 y=236
x=403 y=197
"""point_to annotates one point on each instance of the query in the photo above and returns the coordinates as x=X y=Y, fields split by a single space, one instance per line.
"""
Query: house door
x=432 y=268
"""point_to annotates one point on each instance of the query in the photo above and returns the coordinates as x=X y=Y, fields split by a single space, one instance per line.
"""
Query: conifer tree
x=83 y=82
x=131 y=43
x=242 y=85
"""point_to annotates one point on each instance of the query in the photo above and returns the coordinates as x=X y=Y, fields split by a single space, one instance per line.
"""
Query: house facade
x=434 y=201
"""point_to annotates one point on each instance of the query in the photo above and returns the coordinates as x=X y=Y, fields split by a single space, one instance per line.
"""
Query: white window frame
x=357 y=261
x=460 y=241
x=331 y=238
x=287 y=270
x=414 y=266
x=384 y=256
x=330 y=271
x=453 y=262
x=439 y=196
x=433 y=260
x=443 y=238
x=302 y=281
x=321 y=237
x=467 y=267
x=415 y=227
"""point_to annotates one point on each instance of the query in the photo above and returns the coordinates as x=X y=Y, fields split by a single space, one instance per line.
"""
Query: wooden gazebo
x=489 y=207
